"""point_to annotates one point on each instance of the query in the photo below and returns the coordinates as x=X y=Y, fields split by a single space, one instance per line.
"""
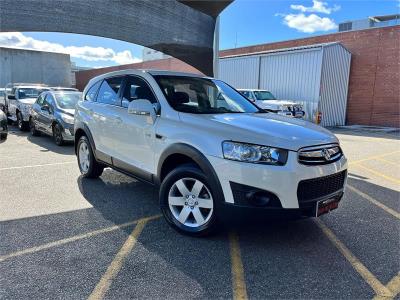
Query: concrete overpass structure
x=180 y=28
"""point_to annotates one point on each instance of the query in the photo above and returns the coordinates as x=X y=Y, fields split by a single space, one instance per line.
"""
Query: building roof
x=311 y=46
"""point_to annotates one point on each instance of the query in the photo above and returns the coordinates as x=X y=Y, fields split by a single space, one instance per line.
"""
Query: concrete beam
x=175 y=28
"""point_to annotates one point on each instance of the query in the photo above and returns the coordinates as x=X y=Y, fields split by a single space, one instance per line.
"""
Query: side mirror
x=45 y=108
x=11 y=97
x=143 y=107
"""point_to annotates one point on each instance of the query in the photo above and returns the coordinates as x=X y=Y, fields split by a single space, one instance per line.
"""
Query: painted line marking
x=73 y=238
x=37 y=166
x=376 y=202
x=395 y=180
x=238 y=282
x=113 y=269
x=372 y=157
x=393 y=286
x=369 y=278
x=388 y=162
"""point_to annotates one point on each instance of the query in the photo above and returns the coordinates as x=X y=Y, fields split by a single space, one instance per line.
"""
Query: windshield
x=67 y=100
x=24 y=93
x=264 y=95
x=203 y=96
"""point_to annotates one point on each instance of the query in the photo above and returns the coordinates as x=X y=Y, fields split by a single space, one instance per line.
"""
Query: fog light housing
x=258 y=198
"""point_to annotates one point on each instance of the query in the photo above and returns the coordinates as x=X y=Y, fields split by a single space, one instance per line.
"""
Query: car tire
x=34 y=131
x=22 y=125
x=57 y=134
x=187 y=201
x=89 y=167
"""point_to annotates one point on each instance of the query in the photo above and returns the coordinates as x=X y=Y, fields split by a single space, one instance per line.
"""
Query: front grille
x=315 y=188
x=320 y=155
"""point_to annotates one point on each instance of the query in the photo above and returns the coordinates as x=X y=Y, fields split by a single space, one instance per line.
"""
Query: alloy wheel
x=84 y=160
x=190 y=202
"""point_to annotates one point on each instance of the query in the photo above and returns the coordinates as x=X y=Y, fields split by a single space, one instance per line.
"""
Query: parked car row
x=42 y=109
x=211 y=151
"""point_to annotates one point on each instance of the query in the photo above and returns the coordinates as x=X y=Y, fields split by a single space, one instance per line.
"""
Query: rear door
x=106 y=119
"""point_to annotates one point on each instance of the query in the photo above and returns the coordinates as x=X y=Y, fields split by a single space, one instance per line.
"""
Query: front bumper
x=282 y=181
x=68 y=132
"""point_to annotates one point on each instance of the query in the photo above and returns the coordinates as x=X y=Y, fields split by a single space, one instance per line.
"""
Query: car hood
x=28 y=101
x=263 y=128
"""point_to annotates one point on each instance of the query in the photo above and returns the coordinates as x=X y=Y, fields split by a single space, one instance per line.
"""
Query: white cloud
x=309 y=24
x=19 y=40
x=318 y=7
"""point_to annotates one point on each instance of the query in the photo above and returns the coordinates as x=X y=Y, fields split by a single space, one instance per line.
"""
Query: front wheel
x=187 y=202
x=22 y=125
x=57 y=135
x=88 y=165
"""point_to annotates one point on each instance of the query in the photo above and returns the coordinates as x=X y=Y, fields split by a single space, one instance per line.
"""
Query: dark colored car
x=3 y=127
x=53 y=114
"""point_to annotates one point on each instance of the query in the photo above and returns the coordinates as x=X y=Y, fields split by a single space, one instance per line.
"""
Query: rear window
x=91 y=93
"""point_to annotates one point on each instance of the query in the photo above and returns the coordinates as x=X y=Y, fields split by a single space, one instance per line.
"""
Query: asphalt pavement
x=62 y=236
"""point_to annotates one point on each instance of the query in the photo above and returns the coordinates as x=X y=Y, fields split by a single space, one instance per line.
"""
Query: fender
x=199 y=159
x=85 y=128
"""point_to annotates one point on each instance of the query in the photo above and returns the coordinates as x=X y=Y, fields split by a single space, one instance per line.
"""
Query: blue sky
x=244 y=22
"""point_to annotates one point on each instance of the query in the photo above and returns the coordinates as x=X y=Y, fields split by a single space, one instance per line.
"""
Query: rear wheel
x=57 y=135
x=88 y=165
x=32 y=126
x=186 y=200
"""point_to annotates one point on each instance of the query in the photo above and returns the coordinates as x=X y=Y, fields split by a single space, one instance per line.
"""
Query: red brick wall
x=374 y=95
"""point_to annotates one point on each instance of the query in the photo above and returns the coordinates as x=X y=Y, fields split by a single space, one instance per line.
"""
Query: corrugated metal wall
x=240 y=72
x=295 y=76
x=298 y=75
x=334 y=85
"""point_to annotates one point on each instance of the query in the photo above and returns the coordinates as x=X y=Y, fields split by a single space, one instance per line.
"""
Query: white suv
x=210 y=151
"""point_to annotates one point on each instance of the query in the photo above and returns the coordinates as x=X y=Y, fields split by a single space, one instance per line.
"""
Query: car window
x=40 y=99
x=24 y=93
x=264 y=95
x=67 y=100
x=91 y=93
x=202 y=95
x=247 y=94
x=108 y=92
x=136 y=88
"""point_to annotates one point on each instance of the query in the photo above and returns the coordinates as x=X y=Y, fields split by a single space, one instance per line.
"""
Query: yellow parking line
x=376 y=202
x=373 y=282
x=372 y=157
x=73 y=239
x=388 y=162
x=113 y=269
x=393 y=286
x=238 y=282
x=36 y=166
x=395 y=180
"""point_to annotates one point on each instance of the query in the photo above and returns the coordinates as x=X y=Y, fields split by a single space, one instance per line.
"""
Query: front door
x=136 y=133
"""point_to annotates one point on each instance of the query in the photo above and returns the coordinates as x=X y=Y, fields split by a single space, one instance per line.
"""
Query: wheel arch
x=191 y=154
x=83 y=131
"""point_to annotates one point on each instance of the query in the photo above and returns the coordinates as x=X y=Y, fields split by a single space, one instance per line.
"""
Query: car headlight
x=254 y=153
x=67 y=119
